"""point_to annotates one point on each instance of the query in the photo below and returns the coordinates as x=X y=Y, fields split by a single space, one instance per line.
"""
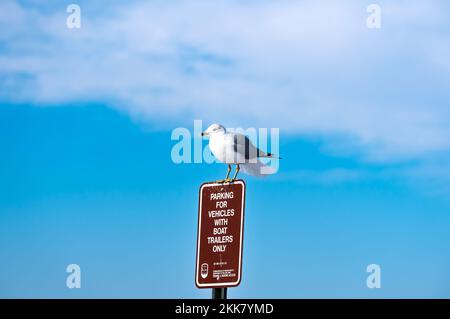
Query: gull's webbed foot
x=223 y=181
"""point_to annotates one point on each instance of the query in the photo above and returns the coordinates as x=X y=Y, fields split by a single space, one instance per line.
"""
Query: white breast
x=222 y=147
x=217 y=146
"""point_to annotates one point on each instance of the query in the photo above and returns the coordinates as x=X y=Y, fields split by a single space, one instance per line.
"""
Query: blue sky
x=86 y=116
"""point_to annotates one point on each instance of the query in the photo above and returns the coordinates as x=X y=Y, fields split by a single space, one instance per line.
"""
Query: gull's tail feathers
x=258 y=169
x=267 y=155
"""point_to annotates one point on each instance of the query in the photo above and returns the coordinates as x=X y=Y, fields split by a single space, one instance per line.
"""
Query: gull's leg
x=227 y=177
x=228 y=172
x=236 y=172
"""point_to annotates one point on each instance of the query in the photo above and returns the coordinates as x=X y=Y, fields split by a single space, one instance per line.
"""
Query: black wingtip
x=273 y=156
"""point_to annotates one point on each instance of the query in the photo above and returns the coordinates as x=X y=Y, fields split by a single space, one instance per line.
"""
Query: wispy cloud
x=307 y=67
x=326 y=177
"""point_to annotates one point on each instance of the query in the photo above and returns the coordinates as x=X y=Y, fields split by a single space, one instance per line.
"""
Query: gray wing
x=244 y=147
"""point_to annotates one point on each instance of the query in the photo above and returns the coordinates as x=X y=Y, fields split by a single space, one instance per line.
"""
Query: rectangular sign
x=220 y=234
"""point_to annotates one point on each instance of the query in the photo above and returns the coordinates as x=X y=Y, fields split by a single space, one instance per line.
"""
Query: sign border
x=238 y=281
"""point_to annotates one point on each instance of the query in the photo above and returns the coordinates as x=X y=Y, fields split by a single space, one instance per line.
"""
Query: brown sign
x=220 y=234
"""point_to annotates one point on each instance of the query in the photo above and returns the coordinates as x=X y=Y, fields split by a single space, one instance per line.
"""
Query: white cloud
x=307 y=67
x=326 y=177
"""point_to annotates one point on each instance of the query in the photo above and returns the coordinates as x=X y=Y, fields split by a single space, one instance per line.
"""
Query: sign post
x=220 y=236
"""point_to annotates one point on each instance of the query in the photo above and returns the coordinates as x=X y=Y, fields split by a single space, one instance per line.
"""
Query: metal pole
x=219 y=293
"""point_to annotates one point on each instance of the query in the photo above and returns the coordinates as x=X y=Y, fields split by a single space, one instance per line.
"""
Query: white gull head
x=214 y=129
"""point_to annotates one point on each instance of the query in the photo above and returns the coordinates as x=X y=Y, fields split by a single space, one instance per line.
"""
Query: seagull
x=234 y=148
